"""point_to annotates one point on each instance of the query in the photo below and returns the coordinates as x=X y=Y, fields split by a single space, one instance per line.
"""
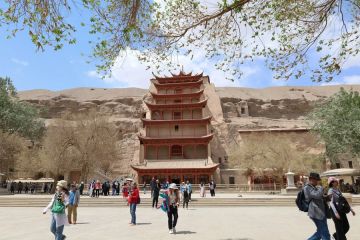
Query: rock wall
x=232 y=109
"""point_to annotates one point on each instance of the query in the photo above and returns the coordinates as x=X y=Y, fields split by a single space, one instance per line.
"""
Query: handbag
x=58 y=206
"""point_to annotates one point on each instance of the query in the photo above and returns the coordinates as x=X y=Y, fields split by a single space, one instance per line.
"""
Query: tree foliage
x=11 y=146
x=18 y=117
x=275 y=155
x=295 y=37
x=85 y=142
x=337 y=121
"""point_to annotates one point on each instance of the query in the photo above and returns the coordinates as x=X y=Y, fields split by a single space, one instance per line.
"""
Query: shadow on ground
x=185 y=232
x=143 y=223
x=237 y=239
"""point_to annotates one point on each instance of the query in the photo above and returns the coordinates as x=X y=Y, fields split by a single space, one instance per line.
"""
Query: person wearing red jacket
x=133 y=200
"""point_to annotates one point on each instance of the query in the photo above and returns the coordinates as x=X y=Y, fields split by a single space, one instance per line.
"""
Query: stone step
x=146 y=202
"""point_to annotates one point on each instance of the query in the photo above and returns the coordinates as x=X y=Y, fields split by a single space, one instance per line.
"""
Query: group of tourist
x=29 y=187
x=170 y=203
x=212 y=187
x=322 y=206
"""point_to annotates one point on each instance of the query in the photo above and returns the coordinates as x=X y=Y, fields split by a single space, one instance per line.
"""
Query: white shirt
x=60 y=218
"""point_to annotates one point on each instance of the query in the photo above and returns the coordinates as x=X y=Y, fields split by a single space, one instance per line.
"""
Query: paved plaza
x=229 y=223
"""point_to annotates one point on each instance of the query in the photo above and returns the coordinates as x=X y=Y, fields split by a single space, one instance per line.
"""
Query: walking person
x=97 y=188
x=212 y=186
x=20 y=187
x=189 y=187
x=81 y=188
x=113 y=188
x=172 y=202
x=134 y=200
x=153 y=183
x=338 y=211
x=202 y=190
x=186 y=197
x=91 y=189
x=155 y=195
x=26 y=188
x=125 y=191
x=314 y=195
x=74 y=199
x=32 y=188
x=57 y=206
x=117 y=184
x=144 y=187
x=12 y=188
x=182 y=189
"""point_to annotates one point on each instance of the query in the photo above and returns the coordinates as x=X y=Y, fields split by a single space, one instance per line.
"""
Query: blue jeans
x=133 y=213
x=322 y=230
x=57 y=231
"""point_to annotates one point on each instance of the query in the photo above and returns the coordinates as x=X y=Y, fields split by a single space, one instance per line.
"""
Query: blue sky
x=67 y=68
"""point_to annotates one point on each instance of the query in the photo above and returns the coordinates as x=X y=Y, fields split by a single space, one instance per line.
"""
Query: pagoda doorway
x=175 y=179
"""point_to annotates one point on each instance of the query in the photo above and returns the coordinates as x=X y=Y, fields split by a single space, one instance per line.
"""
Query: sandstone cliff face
x=124 y=107
x=231 y=108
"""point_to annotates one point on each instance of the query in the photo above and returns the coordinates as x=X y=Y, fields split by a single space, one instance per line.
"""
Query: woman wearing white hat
x=339 y=208
x=172 y=209
x=57 y=206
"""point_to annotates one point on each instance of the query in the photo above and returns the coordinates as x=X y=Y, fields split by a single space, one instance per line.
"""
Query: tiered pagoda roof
x=200 y=104
x=177 y=165
x=176 y=84
x=177 y=140
x=177 y=95
x=149 y=122
x=182 y=77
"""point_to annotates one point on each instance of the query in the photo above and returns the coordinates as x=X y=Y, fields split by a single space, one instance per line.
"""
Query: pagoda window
x=177 y=101
x=176 y=128
x=156 y=115
x=178 y=91
x=176 y=151
x=163 y=152
x=176 y=115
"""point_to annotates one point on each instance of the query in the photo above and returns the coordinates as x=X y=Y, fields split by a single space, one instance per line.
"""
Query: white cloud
x=354 y=79
x=128 y=71
x=93 y=74
x=331 y=83
x=352 y=61
x=20 y=62
x=347 y=80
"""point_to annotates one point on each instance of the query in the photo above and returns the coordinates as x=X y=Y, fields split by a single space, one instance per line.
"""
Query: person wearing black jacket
x=337 y=214
x=156 y=192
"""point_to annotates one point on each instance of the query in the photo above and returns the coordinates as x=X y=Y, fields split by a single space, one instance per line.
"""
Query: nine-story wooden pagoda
x=177 y=134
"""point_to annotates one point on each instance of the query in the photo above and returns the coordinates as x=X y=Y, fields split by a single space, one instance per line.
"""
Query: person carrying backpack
x=339 y=208
x=134 y=200
x=314 y=196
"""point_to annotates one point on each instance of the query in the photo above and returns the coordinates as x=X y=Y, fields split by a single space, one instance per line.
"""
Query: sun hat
x=332 y=179
x=62 y=184
x=315 y=176
x=173 y=186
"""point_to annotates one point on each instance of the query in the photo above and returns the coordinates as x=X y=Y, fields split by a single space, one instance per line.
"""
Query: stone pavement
x=238 y=223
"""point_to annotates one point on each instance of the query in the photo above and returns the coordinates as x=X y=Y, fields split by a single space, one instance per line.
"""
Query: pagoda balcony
x=176 y=140
x=154 y=106
x=159 y=85
x=177 y=95
x=150 y=122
